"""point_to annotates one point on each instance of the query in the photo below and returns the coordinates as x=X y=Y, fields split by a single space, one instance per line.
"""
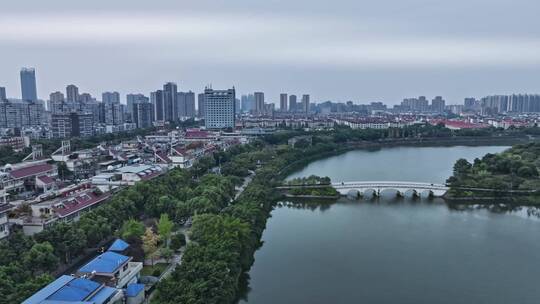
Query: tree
x=462 y=166
x=150 y=240
x=166 y=253
x=177 y=241
x=527 y=172
x=165 y=226
x=40 y=258
x=132 y=229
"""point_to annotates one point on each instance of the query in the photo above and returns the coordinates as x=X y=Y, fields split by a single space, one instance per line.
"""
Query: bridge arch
x=401 y=188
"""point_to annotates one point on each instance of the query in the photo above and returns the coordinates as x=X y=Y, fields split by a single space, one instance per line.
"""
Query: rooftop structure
x=112 y=269
x=69 y=289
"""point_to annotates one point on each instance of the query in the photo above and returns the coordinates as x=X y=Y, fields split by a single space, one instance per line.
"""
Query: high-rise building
x=293 y=107
x=18 y=113
x=86 y=98
x=56 y=96
x=142 y=114
x=420 y=104
x=110 y=97
x=248 y=103
x=72 y=93
x=438 y=104
x=200 y=105
x=72 y=125
x=259 y=102
x=237 y=106
x=305 y=103
x=56 y=103
x=28 y=84
x=156 y=98
x=132 y=99
x=111 y=114
x=469 y=103
x=186 y=105
x=170 y=106
x=3 y=95
x=283 y=102
x=219 y=108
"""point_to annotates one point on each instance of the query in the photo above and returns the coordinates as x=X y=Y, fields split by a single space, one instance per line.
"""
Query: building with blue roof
x=118 y=245
x=112 y=269
x=69 y=289
x=134 y=293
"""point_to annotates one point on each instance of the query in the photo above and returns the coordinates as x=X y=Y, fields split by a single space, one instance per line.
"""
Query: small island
x=310 y=187
x=512 y=175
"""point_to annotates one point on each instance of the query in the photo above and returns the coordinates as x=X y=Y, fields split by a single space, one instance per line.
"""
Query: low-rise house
x=135 y=173
x=66 y=207
x=110 y=278
x=23 y=177
x=112 y=269
x=69 y=289
x=182 y=157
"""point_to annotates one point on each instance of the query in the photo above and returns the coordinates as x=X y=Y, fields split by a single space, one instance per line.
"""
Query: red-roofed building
x=181 y=157
x=196 y=134
x=22 y=177
x=458 y=124
x=63 y=208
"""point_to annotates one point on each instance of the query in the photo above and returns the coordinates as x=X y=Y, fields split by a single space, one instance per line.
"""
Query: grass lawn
x=153 y=270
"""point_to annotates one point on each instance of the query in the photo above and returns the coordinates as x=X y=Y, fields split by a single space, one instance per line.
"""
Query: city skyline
x=28 y=80
x=353 y=50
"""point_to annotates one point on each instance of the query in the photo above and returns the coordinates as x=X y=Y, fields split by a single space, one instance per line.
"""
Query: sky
x=340 y=50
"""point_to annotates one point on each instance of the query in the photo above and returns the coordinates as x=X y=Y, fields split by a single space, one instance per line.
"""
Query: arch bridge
x=376 y=187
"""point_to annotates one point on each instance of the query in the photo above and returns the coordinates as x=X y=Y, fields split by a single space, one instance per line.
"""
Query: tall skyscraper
x=219 y=108
x=72 y=93
x=293 y=107
x=170 y=105
x=28 y=84
x=259 y=102
x=283 y=102
x=3 y=95
x=156 y=98
x=305 y=103
x=110 y=97
x=200 y=105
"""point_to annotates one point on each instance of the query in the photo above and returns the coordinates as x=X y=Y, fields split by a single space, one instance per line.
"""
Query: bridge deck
x=389 y=184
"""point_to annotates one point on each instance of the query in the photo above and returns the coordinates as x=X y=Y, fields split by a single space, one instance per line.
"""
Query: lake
x=394 y=250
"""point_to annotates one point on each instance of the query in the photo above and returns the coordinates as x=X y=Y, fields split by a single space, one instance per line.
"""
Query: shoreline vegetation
x=226 y=231
x=511 y=176
x=310 y=187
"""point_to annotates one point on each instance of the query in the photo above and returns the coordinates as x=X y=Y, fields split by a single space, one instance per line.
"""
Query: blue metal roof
x=71 y=290
x=118 y=245
x=107 y=262
x=48 y=290
x=134 y=289
x=76 y=290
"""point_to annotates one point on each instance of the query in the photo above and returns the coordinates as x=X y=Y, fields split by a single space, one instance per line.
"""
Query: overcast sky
x=338 y=50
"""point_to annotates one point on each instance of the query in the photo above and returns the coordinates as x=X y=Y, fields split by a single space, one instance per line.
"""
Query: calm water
x=395 y=251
